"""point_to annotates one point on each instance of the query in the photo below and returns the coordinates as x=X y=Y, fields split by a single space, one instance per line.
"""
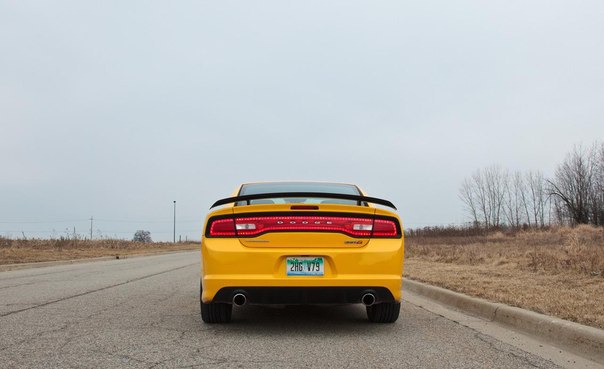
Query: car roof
x=299 y=181
x=298 y=186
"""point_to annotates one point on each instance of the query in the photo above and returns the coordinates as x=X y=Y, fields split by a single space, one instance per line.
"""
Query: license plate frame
x=305 y=266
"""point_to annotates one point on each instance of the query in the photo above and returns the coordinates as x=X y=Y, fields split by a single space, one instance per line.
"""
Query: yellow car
x=301 y=243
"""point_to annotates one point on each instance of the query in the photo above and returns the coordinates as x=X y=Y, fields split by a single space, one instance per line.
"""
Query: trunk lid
x=303 y=225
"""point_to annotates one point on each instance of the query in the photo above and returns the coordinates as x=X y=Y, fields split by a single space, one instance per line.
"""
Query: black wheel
x=215 y=312
x=386 y=312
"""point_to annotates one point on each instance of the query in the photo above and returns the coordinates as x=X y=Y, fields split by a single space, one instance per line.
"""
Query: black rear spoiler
x=320 y=195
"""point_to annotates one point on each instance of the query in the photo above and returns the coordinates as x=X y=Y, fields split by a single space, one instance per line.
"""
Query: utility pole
x=91 y=219
x=174 y=236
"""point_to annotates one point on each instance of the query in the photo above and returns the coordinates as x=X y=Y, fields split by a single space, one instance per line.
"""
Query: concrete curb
x=42 y=264
x=580 y=339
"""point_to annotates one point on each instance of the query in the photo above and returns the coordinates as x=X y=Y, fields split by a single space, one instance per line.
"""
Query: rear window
x=339 y=188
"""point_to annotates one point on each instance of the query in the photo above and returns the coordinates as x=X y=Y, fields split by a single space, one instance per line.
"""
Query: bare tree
x=482 y=198
x=467 y=194
x=597 y=194
x=493 y=197
x=495 y=179
x=515 y=199
x=575 y=195
x=536 y=204
x=573 y=186
x=142 y=236
x=483 y=195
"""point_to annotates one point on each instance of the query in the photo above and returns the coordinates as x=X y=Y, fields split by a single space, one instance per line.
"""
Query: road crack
x=96 y=290
x=493 y=346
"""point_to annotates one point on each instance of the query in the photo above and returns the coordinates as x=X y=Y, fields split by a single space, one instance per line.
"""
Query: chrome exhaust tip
x=239 y=299
x=368 y=299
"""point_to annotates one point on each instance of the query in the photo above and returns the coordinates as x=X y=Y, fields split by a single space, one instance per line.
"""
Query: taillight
x=222 y=228
x=384 y=228
x=252 y=226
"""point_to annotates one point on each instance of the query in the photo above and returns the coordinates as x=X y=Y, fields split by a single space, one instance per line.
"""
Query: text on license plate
x=305 y=265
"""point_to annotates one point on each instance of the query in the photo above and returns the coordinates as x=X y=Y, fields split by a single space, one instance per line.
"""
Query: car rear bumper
x=227 y=265
x=303 y=295
x=299 y=290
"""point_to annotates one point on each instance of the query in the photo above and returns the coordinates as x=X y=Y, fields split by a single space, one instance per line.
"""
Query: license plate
x=304 y=265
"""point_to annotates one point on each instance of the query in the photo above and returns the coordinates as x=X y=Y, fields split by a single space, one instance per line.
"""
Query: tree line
x=495 y=197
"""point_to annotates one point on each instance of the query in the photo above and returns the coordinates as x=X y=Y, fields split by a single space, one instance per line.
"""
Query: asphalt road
x=144 y=313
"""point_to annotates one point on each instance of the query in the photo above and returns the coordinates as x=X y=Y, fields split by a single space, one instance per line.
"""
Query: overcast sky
x=114 y=109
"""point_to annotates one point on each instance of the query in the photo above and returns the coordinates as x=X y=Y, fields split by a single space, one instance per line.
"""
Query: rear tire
x=386 y=312
x=215 y=312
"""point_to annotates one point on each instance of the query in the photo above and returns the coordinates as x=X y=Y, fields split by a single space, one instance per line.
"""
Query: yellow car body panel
x=229 y=264
x=261 y=261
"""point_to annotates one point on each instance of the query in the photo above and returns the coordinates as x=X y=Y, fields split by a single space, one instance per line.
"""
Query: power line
x=104 y=231
x=41 y=221
x=98 y=220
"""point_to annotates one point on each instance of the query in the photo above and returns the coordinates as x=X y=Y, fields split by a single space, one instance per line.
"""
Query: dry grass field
x=13 y=251
x=558 y=272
